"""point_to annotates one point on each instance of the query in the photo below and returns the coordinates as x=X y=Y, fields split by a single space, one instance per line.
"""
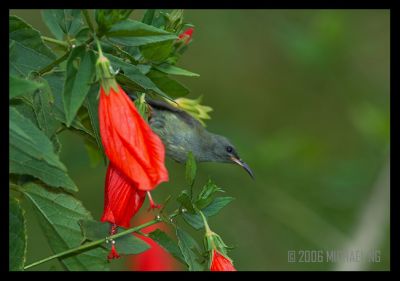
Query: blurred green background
x=304 y=96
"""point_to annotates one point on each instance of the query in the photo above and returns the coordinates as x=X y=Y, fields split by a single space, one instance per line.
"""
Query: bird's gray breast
x=179 y=134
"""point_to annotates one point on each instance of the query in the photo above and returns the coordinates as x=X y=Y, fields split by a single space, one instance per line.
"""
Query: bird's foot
x=153 y=205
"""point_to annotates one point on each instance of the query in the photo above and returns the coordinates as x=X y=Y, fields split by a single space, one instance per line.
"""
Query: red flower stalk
x=121 y=199
x=187 y=35
x=220 y=262
x=129 y=143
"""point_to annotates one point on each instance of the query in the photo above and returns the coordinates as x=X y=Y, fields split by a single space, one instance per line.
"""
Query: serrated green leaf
x=205 y=196
x=166 y=242
x=92 y=106
x=169 y=86
x=29 y=53
x=189 y=248
x=56 y=82
x=174 y=70
x=190 y=169
x=157 y=52
x=17 y=242
x=78 y=82
x=20 y=86
x=184 y=199
x=58 y=214
x=63 y=22
x=43 y=107
x=216 y=205
x=32 y=153
x=94 y=230
x=135 y=33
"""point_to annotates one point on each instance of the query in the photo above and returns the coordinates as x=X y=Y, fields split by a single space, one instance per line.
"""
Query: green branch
x=49 y=67
x=55 y=41
x=94 y=243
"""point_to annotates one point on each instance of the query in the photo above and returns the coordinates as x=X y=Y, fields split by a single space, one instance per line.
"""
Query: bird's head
x=223 y=151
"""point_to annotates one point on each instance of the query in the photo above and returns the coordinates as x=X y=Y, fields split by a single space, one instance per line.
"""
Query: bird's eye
x=229 y=149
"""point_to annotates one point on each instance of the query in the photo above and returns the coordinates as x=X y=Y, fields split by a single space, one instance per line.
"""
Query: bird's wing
x=161 y=105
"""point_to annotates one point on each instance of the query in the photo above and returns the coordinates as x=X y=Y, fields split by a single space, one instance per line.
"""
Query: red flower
x=130 y=144
x=121 y=199
x=220 y=262
x=187 y=35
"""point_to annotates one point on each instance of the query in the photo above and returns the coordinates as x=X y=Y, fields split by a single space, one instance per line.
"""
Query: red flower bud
x=220 y=262
x=113 y=253
x=121 y=199
x=187 y=35
x=129 y=143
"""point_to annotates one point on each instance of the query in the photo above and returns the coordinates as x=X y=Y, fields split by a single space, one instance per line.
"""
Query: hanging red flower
x=129 y=142
x=220 y=263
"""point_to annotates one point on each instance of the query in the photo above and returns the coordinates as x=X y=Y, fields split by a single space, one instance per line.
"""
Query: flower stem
x=94 y=243
x=55 y=41
x=49 y=67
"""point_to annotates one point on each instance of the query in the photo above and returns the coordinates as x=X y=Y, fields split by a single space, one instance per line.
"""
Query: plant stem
x=94 y=243
x=55 y=41
x=88 y=21
x=49 y=67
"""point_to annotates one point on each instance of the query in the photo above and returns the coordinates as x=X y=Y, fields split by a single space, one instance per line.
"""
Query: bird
x=181 y=133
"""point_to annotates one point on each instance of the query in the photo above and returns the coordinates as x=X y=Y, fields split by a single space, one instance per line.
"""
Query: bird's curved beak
x=243 y=165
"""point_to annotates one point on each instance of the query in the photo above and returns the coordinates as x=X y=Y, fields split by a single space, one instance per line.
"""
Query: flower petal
x=121 y=199
x=129 y=142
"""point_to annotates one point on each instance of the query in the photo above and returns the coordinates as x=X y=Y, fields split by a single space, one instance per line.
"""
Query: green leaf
x=174 y=70
x=80 y=74
x=29 y=53
x=129 y=244
x=58 y=214
x=191 y=168
x=134 y=74
x=20 y=86
x=105 y=18
x=92 y=106
x=169 y=86
x=157 y=52
x=43 y=107
x=216 y=205
x=17 y=242
x=63 y=22
x=189 y=248
x=94 y=230
x=167 y=243
x=148 y=16
x=205 y=196
x=184 y=199
x=56 y=82
x=32 y=153
x=141 y=106
x=135 y=33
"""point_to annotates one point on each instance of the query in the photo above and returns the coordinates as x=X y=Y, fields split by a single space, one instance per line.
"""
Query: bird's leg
x=152 y=204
